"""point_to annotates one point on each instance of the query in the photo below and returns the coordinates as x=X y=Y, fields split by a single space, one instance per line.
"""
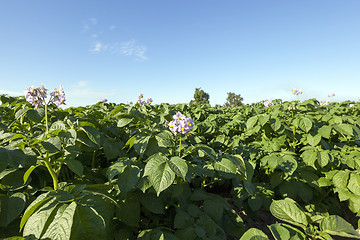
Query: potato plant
x=116 y=171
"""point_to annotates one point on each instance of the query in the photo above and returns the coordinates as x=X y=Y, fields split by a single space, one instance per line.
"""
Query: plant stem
x=93 y=160
x=46 y=119
x=51 y=171
x=180 y=146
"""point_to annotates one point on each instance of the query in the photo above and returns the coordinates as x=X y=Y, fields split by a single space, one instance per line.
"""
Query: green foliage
x=233 y=100
x=120 y=175
x=200 y=97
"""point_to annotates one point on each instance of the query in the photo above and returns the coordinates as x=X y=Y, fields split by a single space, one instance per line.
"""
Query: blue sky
x=165 y=49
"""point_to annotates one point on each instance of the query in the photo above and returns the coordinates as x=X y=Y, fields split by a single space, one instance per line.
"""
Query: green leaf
x=309 y=157
x=93 y=134
x=214 y=208
x=251 y=122
x=88 y=224
x=354 y=183
x=287 y=210
x=160 y=174
x=313 y=140
x=287 y=164
x=11 y=208
x=117 y=168
x=128 y=179
x=28 y=172
x=112 y=149
x=254 y=234
x=58 y=125
x=340 y=179
x=52 y=145
x=152 y=203
x=304 y=191
x=39 y=201
x=141 y=143
x=183 y=220
x=129 y=209
x=225 y=165
x=75 y=165
x=40 y=219
x=336 y=225
x=305 y=124
x=208 y=151
x=325 y=131
x=324 y=158
x=255 y=203
x=124 y=121
x=179 y=166
x=275 y=124
x=345 y=129
x=35 y=115
x=60 y=227
x=281 y=231
x=130 y=142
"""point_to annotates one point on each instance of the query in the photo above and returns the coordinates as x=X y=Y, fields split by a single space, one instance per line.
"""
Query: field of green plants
x=287 y=170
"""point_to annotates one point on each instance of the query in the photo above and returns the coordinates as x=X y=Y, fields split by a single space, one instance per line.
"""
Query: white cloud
x=87 y=25
x=128 y=48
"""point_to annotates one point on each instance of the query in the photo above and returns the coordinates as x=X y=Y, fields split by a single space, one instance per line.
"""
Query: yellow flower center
x=182 y=129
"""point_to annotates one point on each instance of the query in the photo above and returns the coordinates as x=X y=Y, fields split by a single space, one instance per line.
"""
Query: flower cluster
x=140 y=100
x=58 y=96
x=297 y=92
x=331 y=95
x=292 y=107
x=180 y=124
x=323 y=103
x=104 y=100
x=37 y=96
x=268 y=103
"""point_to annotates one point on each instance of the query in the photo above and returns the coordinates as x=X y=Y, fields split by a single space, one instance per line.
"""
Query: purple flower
x=173 y=126
x=268 y=103
x=43 y=91
x=179 y=116
x=149 y=101
x=34 y=96
x=58 y=96
x=297 y=92
x=103 y=100
x=180 y=124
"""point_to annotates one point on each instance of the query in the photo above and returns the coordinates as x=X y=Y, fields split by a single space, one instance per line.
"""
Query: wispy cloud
x=127 y=48
x=88 y=24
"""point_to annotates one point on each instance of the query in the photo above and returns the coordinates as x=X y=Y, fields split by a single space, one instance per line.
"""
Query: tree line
x=202 y=97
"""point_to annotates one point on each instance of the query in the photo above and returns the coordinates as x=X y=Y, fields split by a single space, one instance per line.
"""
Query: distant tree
x=200 y=97
x=233 y=100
